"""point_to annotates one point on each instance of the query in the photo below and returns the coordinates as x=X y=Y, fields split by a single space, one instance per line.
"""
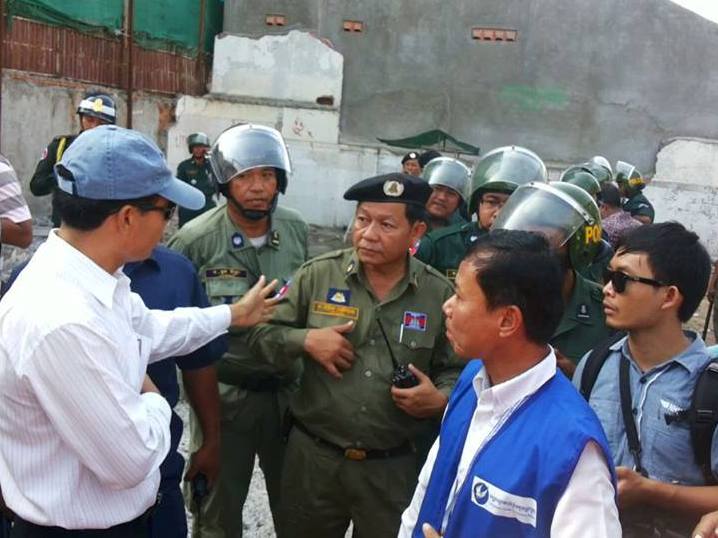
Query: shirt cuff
x=157 y=402
x=220 y=317
x=294 y=344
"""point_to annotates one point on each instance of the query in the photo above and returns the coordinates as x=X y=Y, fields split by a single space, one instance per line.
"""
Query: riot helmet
x=197 y=139
x=450 y=173
x=586 y=180
x=98 y=105
x=244 y=147
x=503 y=170
x=629 y=179
x=564 y=213
x=600 y=160
x=600 y=172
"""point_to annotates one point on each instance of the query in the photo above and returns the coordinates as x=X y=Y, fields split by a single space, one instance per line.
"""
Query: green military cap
x=397 y=188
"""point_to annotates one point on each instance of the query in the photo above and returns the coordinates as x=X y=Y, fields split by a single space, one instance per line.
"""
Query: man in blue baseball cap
x=75 y=343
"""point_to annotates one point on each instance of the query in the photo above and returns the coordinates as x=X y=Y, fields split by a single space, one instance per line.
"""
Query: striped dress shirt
x=80 y=447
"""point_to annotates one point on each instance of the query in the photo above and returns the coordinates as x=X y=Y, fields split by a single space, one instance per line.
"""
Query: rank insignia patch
x=225 y=272
x=338 y=296
x=415 y=321
x=582 y=312
x=341 y=311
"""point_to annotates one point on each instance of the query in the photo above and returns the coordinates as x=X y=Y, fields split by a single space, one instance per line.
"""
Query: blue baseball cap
x=113 y=163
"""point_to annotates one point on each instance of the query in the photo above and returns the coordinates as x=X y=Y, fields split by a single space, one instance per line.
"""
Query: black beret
x=397 y=188
x=412 y=155
x=427 y=156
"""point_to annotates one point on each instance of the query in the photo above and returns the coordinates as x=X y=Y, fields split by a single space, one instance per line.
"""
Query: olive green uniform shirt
x=444 y=248
x=228 y=266
x=199 y=176
x=583 y=324
x=638 y=205
x=357 y=410
x=43 y=181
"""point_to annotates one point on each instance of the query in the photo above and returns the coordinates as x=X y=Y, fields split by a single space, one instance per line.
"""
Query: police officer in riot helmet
x=570 y=219
x=631 y=183
x=96 y=108
x=449 y=180
x=196 y=171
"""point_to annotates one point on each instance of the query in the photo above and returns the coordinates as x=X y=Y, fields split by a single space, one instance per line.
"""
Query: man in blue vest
x=519 y=453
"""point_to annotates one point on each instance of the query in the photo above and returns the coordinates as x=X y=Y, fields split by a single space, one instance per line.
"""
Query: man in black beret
x=358 y=317
x=410 y=164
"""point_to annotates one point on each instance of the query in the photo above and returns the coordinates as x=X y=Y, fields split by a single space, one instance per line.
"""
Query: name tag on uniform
x=341 y=311
x=225 y=272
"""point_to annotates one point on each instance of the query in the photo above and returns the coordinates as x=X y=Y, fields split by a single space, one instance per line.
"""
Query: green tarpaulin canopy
x=436 y=139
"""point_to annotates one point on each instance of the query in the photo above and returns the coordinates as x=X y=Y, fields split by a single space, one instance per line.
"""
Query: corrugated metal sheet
x=40 y=48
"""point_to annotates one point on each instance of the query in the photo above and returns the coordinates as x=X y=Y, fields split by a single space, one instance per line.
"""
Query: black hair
x=610 y=195
x=86 y=214
x=427 y=156
x=676 y=257
x=415 y=213
x=518 y=268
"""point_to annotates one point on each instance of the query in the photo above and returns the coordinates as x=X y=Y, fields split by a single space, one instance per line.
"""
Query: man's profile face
x=490 y=206
x=411 y=167
x=254 y=189
x=442 y=202
x=90 y=122
x=471 y=328
x=382 y=234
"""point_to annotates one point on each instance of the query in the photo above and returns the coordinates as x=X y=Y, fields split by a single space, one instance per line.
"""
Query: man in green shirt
x=232 y=245
x=359 y=317
x=496 y=176
x=570 y=219
x=449 y=180
x=631 y=183
x=196 y=172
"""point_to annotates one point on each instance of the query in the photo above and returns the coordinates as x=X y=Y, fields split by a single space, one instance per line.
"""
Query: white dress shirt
x=587 y=506
x=80 y=446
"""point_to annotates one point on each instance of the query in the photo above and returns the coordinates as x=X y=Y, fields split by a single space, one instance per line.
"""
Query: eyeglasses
x=619 y=280
x=167 y=211
x=492 y=203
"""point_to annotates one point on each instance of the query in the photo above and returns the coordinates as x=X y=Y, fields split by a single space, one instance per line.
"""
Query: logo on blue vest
x=481 y=493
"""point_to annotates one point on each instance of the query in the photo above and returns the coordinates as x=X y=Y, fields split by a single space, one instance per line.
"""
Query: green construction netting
x=160 y=24
x=436 y=139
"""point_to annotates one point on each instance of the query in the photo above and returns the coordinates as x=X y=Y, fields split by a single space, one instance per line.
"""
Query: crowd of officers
x=316 y=394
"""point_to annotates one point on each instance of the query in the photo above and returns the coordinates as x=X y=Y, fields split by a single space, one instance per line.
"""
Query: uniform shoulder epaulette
x=434 y=272
x=334 y=254
x=202 y=225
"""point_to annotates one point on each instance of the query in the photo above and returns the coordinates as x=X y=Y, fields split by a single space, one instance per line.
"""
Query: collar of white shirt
x=504 y=396
x=81 y=269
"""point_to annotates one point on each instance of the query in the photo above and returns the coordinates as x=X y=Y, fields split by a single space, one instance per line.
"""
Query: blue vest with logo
x=516 y=481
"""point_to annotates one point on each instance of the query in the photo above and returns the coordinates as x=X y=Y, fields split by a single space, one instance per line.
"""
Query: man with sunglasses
x=496 y=176
x=643 y=391
x=84 y=428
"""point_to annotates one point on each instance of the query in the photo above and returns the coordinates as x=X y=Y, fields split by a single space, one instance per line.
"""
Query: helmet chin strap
x=253 y=214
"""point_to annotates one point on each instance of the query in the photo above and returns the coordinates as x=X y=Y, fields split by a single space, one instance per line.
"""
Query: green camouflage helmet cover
x=565 y=213
x=450 y=173
x=504 y=170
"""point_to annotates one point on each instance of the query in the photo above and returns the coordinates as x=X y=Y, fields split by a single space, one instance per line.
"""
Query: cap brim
x=183 y=194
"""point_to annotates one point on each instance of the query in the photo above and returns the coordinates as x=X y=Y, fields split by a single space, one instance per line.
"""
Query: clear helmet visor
x=244 y=147
x=533 y=209
x=511 y=165
x=450 y=173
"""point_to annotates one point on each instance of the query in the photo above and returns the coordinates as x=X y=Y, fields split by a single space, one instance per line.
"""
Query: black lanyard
x=629 y=423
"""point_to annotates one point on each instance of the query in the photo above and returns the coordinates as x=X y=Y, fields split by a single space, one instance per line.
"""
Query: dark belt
x=261 y=384
x=358 y=454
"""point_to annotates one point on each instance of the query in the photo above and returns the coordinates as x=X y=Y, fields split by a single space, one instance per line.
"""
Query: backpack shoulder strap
x=703 y=417
x=595 y=362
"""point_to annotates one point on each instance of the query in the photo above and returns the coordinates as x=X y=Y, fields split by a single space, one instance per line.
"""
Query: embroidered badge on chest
x=582 y=312
x=415 y=320
x=237 y=240
x=338 y=296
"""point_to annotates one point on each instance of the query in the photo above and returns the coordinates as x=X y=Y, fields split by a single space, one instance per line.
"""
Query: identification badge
x=328 y=309
x=338 y=296
x=415 y=321
x=225 y=272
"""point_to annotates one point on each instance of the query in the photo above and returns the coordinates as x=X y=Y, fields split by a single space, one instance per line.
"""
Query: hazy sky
x=706 y=8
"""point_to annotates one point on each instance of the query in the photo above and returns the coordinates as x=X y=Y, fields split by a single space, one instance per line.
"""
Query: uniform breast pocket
x=225 y=290
x=417 y=348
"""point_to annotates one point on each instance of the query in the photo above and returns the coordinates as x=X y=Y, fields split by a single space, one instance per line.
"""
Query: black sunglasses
x=619 y=280
x=167 y=210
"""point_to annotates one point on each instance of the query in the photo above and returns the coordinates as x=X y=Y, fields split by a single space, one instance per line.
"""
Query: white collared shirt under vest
x=80 y=447
x=587 y=507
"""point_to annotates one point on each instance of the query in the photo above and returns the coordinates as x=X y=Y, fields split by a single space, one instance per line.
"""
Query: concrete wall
x=684 y=187
x=35 y=109
x=610 y=77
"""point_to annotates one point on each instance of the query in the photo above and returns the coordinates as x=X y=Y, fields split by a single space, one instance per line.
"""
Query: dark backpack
x=702 y=416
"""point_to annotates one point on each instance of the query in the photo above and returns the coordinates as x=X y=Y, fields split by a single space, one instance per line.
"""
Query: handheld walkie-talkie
x=401 y=377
